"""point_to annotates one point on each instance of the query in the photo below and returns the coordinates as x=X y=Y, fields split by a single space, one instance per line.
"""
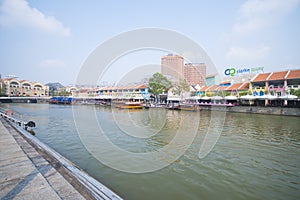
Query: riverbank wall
x=267 y=110
x=284 y=111
x=32 y=170
x=24 y=100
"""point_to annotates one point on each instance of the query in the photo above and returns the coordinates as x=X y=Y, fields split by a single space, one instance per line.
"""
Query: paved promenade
x=25 y=174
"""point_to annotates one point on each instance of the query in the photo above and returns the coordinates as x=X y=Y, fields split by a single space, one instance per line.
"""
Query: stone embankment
x=32 y=170
x=284 y=111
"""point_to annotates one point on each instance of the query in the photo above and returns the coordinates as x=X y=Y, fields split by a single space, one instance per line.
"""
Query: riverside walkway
x=25 y=174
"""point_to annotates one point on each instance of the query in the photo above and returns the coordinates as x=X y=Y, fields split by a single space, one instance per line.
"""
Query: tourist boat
x=173 y=106
x=62 y=100
x=189 y=107
x=101 y=103
x=147 y=105
x=117 y=104
x=132 y=105
x=157 y=105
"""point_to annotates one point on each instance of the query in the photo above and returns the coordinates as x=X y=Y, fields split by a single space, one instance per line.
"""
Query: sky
x=49 y=40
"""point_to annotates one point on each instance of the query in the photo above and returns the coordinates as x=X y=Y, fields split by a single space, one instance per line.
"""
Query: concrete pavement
x=25 y=174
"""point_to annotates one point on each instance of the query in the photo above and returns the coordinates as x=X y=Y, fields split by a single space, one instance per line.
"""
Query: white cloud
x=248 y=54
x=258 y=14
x=52 y=63
x=18 y=12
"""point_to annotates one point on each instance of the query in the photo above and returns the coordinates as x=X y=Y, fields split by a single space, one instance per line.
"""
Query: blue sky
x=48 y=40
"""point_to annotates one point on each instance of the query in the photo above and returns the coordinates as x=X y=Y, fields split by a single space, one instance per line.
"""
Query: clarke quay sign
x=239 y=71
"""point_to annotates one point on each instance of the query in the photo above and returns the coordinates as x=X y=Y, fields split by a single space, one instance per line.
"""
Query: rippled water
x=256 y=156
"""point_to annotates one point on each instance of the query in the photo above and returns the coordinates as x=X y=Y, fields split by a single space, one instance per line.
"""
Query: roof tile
x=294 y=74
x=261 y=77
x=277 y=76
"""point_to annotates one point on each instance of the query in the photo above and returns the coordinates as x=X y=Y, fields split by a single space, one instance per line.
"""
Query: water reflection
x=256 y=157
x=121 y=141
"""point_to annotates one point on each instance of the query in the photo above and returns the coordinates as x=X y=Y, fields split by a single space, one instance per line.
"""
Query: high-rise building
x=195 y=73
x=172 y=67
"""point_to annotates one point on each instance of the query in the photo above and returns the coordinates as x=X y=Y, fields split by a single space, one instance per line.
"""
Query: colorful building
x=277 y=83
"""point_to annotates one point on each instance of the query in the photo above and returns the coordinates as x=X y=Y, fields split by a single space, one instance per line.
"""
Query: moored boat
x=132 y=105
x=189 y=107
x=173 y=107
x=62 y=100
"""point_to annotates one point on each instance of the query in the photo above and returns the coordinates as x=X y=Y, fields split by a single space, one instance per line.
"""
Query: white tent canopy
x=231 y=97
x=288 y=97
x=193 y=98
x=216 y=98
x=205 y=98
x=174 y=99
x=268 y=96
x=248 y=97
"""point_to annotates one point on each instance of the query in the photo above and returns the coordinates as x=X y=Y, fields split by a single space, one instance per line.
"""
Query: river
x=255 y=156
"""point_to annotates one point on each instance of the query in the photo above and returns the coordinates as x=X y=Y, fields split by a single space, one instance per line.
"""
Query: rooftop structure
x=238 y=86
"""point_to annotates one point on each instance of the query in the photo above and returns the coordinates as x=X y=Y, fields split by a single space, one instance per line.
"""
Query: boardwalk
x=25 y=174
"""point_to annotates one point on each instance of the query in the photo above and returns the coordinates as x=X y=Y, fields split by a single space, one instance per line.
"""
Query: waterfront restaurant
x=265 y=89
x=277 y=83
x=14 y=87
x=273 y=88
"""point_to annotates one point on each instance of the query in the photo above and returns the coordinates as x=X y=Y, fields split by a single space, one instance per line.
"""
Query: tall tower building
x=172 y=66
x=195 y=73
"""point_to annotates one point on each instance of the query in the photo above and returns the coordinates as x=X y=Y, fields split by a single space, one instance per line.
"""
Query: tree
x=182 y=87
x=159 y=84
x=295 y=92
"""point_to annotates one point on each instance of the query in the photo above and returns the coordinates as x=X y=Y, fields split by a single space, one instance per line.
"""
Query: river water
x=255 y=156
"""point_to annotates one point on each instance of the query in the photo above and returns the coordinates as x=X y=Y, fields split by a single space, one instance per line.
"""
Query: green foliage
x=62 y=93
x=243 y=93
x=159 y=84
x=295 y=92
x=182 y=87
x=227 y=93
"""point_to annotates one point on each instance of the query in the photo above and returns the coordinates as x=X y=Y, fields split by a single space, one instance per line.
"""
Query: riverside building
x=276 y=82
x=13 y=87
x=134 y=92
x=263 y=87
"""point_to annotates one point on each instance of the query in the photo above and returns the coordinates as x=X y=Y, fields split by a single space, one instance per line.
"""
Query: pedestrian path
x=25 y=174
